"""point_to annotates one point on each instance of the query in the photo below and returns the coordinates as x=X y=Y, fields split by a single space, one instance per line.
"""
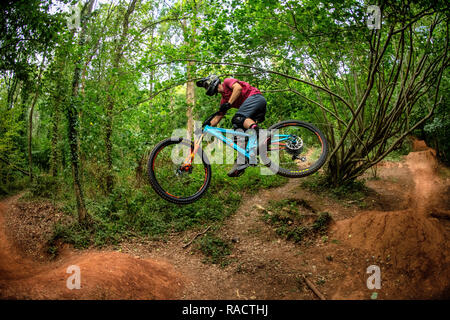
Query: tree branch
x=261 y=70
x=14 y=167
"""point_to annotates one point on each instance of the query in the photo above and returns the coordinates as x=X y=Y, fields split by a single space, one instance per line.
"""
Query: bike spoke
x=170 y=175
x=296 y=148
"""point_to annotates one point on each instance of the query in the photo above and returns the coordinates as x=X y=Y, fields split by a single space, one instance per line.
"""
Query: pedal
x=240 y=173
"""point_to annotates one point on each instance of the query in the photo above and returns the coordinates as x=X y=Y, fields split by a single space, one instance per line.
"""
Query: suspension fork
x=188 y=161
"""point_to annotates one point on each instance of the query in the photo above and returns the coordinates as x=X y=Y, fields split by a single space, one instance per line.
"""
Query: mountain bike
x=180 y=172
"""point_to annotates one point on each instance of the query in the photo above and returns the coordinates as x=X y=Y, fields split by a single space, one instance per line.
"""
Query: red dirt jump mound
x=103 y=275
x=413 y=244
x=416 y=248
x=428 y=188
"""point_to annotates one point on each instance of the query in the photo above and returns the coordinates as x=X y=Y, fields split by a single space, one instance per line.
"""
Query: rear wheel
x=294 y=149
x=171 y=178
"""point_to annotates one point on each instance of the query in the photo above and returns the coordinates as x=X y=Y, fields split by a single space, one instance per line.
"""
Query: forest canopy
x=87 y=88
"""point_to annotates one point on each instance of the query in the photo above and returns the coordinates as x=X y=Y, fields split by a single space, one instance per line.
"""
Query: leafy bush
x=403 y=149
x=295 y=219
x=77 y=235
x=3 y=191
x=437 y=135
x=353 y=190
x=321 y=222
x=129 y=211
x=215 y=249
x=44 y=186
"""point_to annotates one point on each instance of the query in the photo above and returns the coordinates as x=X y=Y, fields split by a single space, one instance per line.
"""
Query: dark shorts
x=254 y=107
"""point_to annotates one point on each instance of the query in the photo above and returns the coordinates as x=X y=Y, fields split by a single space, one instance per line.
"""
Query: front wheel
x=173 y=177
x=294 y=149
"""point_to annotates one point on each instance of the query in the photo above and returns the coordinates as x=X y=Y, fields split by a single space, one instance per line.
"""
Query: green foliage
x=215 y=249
x=43 y=186
x=77 y=235
x=12 y=141
x=436 y=131
x=27 y=30
x=321 y=222
x=295 y=219
x=353 y=190
x=136 y=86
x=399 y=153
x=130 y=211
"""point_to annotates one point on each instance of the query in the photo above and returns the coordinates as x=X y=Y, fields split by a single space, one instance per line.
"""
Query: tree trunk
x=30 y=122
x=55 y=155
x=72 y=117
x=190 y=101
x=110 y=100
x=190 y=89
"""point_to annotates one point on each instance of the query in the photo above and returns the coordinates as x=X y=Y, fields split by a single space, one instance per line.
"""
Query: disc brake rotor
x=294 y=145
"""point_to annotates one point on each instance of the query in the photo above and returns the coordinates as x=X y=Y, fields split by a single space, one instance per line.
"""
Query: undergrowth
x=295 y=219
x=215 y=249
x=10 y=187
x=129 y=211
x=354 y=191
x=399 y=152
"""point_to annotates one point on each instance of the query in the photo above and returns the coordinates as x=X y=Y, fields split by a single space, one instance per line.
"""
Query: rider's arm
x=234 y=95
x=237 y=88
x=216 y=120
x=236 y=92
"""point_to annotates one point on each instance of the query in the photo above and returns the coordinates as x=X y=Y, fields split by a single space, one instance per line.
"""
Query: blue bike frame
x=252 y=142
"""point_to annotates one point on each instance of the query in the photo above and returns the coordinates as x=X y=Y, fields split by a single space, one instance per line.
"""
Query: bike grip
x=207 y=122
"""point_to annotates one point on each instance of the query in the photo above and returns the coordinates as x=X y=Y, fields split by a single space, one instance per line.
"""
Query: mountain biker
x=238 y=94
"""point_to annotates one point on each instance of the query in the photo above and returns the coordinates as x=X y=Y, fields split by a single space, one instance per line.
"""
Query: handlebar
x=208 y=120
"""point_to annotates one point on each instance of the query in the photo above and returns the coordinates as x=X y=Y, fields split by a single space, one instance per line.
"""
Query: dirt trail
x=400 y=234
x=104 y=275
x=413 y=241
x=404 y=230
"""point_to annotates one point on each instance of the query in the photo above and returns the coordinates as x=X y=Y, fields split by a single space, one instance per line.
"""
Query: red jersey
x=247 y=91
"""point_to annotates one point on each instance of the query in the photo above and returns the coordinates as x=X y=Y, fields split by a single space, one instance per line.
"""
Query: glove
x=224 y=107
x=207 y=122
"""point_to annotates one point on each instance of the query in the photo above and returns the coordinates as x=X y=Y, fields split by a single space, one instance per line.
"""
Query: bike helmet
x=210 y=83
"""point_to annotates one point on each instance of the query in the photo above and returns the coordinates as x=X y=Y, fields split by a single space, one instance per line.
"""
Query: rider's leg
x=252 y=108
x=252 y=125
x=249 y=123
x=238 y=124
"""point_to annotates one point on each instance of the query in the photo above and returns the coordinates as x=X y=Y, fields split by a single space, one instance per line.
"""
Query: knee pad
x=238 y=121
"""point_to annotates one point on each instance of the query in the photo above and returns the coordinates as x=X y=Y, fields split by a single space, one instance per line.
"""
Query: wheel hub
x=294 y=145
x=183 y=169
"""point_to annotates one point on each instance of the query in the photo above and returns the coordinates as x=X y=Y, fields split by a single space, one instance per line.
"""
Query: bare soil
x=104 y=275
x=404 y=228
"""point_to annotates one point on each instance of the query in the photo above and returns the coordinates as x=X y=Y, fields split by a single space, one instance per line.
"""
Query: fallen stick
x=196 y=236
x=257 y=206
x=313 y=288
x=14 y=167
